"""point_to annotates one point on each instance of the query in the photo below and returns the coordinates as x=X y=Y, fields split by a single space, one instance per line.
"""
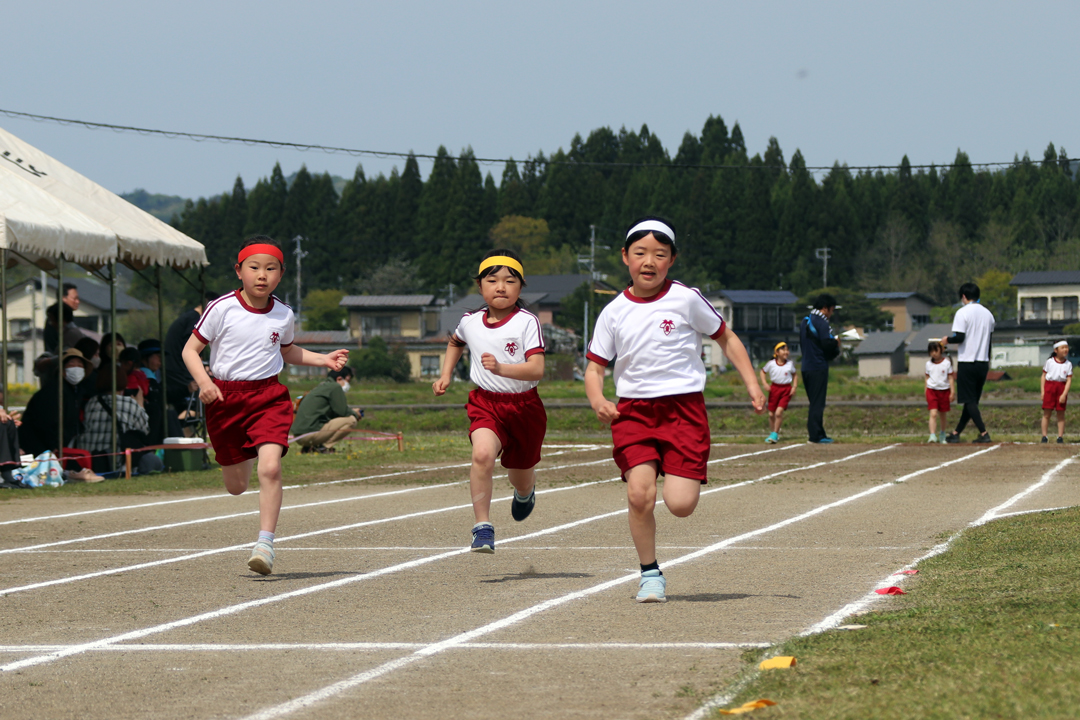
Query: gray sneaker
x=262 y=558
x=652 y=587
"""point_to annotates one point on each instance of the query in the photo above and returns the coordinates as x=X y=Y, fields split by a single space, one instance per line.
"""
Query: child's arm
x=296 y=355
x=1042 y=383
x=765 y=380
x=208 y=391
x=531 y=369
x=794 y=381
x=594 y=390
x=1065 y=393
x=453 y=355
x=736 y=353
x=952 y=387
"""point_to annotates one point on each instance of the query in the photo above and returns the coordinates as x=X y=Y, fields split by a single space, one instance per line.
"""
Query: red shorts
x=673 y=431
x=517 y=419
x=779 y=396
x=938 y=399
x=249 y=414
x=1052 y=390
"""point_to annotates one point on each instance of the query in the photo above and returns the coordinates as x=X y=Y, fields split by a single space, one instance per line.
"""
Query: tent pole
x=161 y=341
x=112 y=330
x=60 y=353
x=4 y=320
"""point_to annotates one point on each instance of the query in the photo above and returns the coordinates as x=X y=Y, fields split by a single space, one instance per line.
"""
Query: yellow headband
x=778 y=346
x=502 y=260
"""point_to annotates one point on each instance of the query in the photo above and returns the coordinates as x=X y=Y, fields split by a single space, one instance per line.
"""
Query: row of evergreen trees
x=743 y=221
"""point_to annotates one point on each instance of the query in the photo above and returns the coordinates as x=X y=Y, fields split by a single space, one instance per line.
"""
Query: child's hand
x=768 y=389
x=952 y=398
x=440 y=385
x=490 y=363
x=1063 y=399
x=607 y=412
x=757 y=401
x=337 y=359
x=209 y=393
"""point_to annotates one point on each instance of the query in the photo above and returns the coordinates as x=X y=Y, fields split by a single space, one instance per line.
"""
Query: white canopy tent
x=51 y=214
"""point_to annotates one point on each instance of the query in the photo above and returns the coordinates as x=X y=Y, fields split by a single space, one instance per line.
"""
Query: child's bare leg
x=772 y=421
x=237 y=476
x=933 y=421
x=681 y=494
x=523 y=480
x=778 y=420
x=941 y=417
x=485 y=448
x=269 y=486
x=1045 y=421
x=641 y=499
x=1061 y=423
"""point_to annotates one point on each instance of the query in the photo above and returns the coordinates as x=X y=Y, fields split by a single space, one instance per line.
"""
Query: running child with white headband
x=1055 y=383
x=651 y=333
x=506 y=417
x=248 y=412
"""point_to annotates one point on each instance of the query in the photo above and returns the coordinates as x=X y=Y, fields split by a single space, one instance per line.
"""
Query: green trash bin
x=180 y=459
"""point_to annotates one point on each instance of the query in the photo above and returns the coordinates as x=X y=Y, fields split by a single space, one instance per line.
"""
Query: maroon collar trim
x=489 y=324
x=634 y=298
x=257 y=311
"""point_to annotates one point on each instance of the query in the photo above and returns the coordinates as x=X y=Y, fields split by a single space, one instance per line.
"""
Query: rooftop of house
x=92 y=294
x=881 y=343
x=389 y=302
x=759 y=297
x=897 y=296
x=324 y=337
x=1049 y=277
x=933 y=331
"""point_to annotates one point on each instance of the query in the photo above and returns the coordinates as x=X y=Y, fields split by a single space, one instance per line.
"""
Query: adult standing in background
x=972 y=327
x=71 y=296
x=819 y=347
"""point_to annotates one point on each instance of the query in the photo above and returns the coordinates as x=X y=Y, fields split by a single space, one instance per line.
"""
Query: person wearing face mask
x=38 y=431
x=324 y=417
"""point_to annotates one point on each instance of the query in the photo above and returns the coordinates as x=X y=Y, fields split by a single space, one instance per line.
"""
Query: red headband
x=260 y=249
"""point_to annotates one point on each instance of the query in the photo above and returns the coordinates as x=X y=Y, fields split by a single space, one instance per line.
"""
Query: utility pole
x=822 y=254
x=300 y=255
x=589 y=261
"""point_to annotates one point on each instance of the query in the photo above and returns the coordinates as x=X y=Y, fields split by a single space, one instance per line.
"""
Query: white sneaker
x=933 y=438
x=262 y=558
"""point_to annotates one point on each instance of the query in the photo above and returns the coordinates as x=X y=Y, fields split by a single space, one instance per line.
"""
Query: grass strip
x=989 y=629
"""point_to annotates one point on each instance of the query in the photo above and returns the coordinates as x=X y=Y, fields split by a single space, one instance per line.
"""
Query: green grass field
x=989 y=629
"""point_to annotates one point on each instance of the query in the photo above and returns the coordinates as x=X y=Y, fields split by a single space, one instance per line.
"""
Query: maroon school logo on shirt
x=511 y=348
x=274 y=337
x=667 y=326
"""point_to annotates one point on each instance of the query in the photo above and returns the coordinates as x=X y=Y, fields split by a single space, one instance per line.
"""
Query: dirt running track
x=375 y=610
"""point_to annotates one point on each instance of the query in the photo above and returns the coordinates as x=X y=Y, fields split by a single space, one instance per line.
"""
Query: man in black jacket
x=819 y=347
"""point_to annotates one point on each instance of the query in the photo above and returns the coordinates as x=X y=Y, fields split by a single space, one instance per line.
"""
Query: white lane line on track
x=233 y=609
x=894 y=578
x=376 y=646
x=1030 y=512
x=576 y=448
x=353 y=526
x=215 y=518
x=318 y=696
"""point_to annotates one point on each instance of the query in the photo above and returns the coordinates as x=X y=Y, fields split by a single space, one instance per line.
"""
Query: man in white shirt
x=972 y=327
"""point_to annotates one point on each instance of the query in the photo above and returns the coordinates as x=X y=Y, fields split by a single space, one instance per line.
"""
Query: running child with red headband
x=506 y=416
x=248 y=412
x=651 y=334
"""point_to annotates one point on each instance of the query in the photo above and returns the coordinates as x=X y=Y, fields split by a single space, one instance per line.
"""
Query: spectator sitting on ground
x=137 y=385
x=51 y=335
x=324 y=416
x=110 y=341
x=39 y=429
x=132 y=422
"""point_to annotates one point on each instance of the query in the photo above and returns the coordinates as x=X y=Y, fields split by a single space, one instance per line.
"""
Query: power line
x=335 y=150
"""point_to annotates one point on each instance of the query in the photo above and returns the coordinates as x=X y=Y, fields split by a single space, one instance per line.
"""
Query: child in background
x=940 y=389
x=248 y=412
x=506 y=416
x=778 y=376
x=652 y=333
x=1055 y=383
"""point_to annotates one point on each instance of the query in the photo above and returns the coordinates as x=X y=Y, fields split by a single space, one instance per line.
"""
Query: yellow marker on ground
x=776 y=663
x=747 y=707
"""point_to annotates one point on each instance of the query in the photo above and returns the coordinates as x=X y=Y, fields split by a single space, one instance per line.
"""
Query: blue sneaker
x=651 y=587
x=825 y=441
x=773 y=438
x=520 y=509
x=483 y=538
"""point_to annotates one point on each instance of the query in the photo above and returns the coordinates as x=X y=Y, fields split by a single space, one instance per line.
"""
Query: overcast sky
x=861 y=83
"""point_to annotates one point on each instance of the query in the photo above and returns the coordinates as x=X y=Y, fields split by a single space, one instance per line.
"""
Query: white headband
x=652 y=225
x=1059 y=343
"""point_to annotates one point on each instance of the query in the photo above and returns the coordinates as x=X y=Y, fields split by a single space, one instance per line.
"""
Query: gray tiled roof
x=386 y=301
x=898 y=296
x=881 y=343
x=1050 y=277
x=324 y=337
x=760 y=297
x=450 y=316
x=95 y=295
x=933 y=331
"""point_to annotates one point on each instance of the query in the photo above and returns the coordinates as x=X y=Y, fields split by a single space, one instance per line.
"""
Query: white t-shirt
x=780 y=374
x=514 y=339
x=245 y=342
x=1057 y=372
x=976 y=322
x=937 y=374
x=655 y=342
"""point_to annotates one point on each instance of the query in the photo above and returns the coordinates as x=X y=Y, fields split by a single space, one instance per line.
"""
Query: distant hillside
x=160 y=206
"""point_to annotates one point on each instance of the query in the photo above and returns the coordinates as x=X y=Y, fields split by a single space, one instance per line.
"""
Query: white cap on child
x=651 y=226
x=1060 y=343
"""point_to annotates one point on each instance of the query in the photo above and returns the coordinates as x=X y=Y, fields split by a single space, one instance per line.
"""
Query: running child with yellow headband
x=778 y=377
x=248 y=412
x=506 y=417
